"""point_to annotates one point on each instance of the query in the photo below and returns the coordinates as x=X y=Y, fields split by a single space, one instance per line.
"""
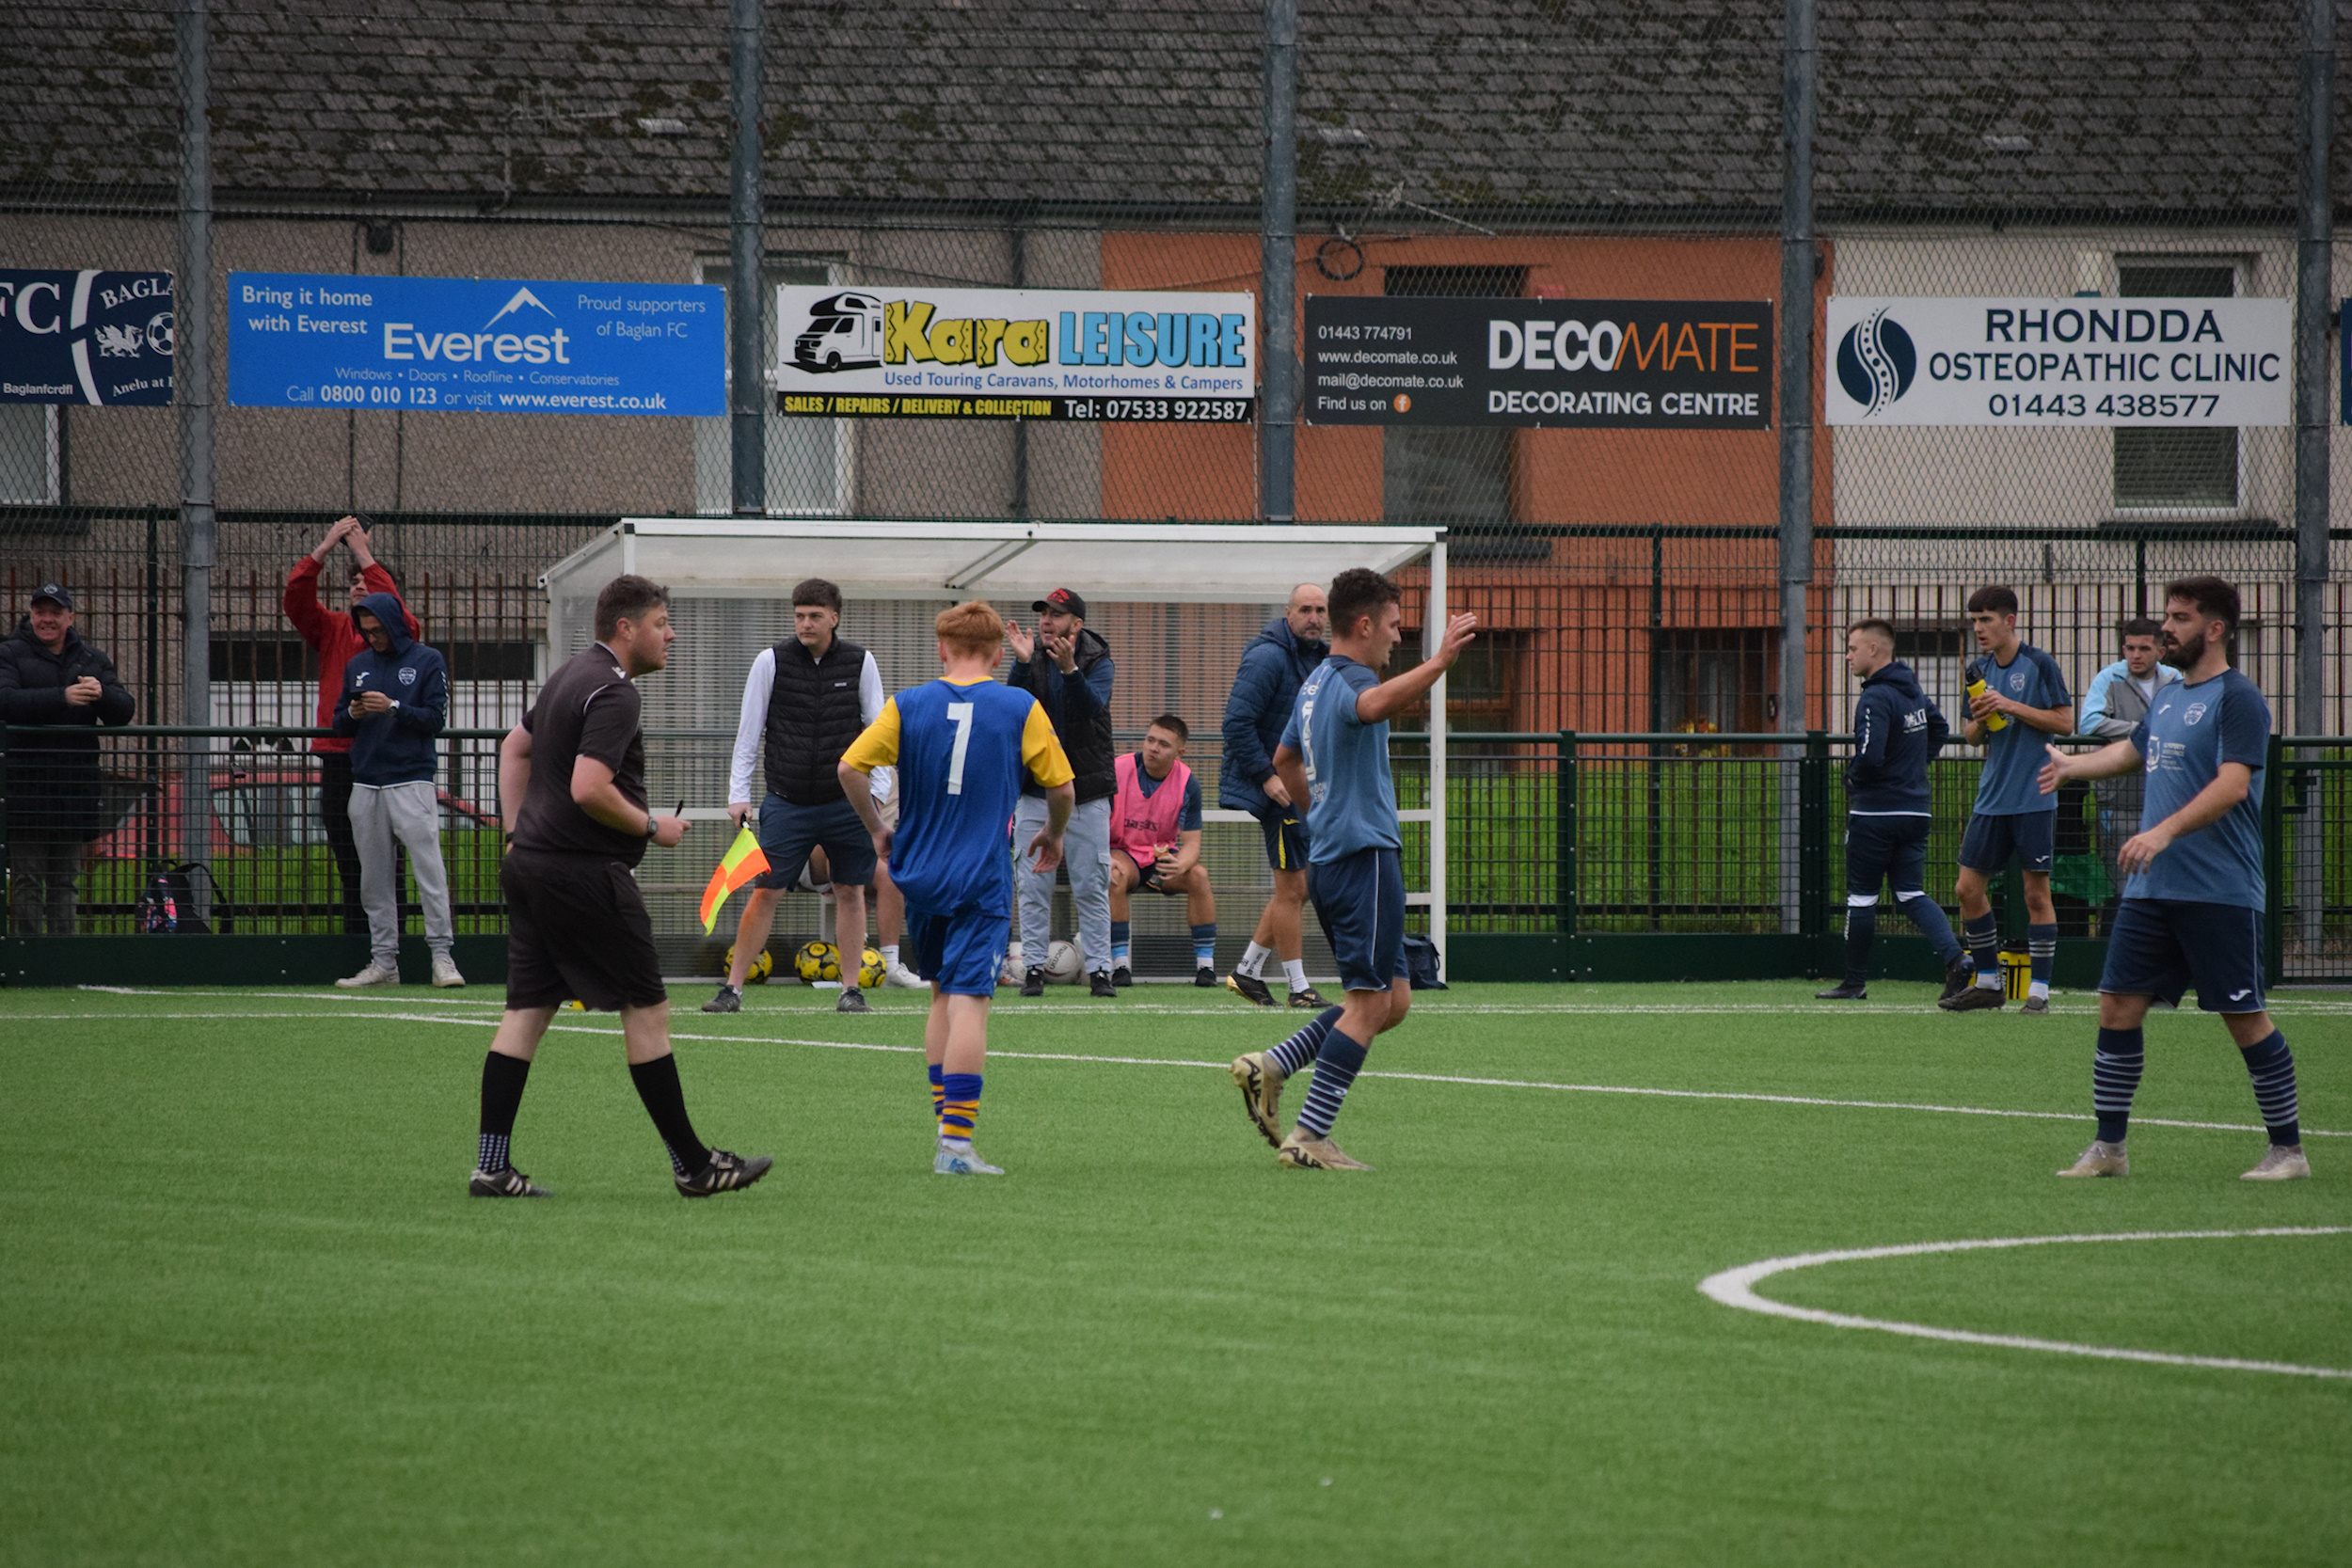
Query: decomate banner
x=483 y=345
x=1916 y=360
x=87 y=337
x=1591 y=364
x=1016 y=354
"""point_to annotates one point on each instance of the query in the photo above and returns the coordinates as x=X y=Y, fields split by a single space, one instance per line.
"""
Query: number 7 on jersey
x=960 y=715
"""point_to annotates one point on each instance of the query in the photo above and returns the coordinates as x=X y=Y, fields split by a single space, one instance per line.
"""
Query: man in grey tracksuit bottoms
x=394 y=699
x=1068 y=666
x=2117 y=700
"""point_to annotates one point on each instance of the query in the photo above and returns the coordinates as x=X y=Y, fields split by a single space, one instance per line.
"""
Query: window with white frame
x=31 y=463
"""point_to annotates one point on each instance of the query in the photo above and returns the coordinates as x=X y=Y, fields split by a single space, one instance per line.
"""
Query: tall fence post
x=192 y=309
x=1799 y=62
x=2314 y=286
x=1278 y=410
x=747 y=251
x=1813 y=840
x=2274 y=855
x=1563 y=815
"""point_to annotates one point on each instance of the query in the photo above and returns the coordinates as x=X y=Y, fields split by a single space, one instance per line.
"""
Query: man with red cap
x=1069 y=669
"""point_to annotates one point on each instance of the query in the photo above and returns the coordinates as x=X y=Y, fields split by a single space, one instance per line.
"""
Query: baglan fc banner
x=1016 y=354
x=1591 y=364
x=86 y=337
x=1911 y=360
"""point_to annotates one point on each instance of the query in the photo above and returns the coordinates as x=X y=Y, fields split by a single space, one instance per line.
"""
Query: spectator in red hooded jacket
x=333 y=637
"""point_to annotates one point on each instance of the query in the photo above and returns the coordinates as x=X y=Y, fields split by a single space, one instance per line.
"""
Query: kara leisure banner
x=1639 y=364
x=1912 y=360
x=1016 y=354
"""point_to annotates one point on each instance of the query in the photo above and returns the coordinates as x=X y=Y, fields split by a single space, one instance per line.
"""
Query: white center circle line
x=1737 y=1287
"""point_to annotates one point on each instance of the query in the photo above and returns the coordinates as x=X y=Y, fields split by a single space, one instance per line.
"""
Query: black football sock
x=1861 y=925
x=665 y=1101
x=2271 y=1065
x=2115 y=1078
x=503 y=1079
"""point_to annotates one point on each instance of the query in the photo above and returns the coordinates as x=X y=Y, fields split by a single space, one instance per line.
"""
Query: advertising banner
x=2084 y=361
x=1591 y=364
x=85 y=337
x=475 y=345
x=1016 y=354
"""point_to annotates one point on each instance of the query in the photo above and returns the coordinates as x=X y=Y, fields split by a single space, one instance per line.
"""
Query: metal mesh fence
x=1535 y=156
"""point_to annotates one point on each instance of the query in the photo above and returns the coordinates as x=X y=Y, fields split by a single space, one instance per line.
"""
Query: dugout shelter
x=732 y=577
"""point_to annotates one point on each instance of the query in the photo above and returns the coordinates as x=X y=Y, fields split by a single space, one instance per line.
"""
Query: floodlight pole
x=1278 y=403
x=746 y=309
x=1799 y=62
x=2314 y=285
x=192 y=380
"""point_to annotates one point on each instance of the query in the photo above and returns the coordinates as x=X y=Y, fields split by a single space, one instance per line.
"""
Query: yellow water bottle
x=1977 y=689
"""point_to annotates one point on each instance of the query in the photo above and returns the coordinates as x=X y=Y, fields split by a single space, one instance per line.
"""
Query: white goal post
x=761 y=558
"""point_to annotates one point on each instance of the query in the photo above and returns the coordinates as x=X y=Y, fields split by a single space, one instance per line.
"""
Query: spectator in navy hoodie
x=395 y=694
x=1896 y=732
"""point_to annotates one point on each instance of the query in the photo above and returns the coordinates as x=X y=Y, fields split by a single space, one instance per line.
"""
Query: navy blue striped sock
x=2271 y=1065
x=2041 y=946
x=1300 y=1049
x=2115 y=1078
x=1122 y=942
x=1984 y=945
x=1336 y=1068
x=1205 y=945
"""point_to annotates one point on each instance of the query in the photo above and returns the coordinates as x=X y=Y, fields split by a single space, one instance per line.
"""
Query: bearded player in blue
x=962 y=744
x=1335 y=755
x=2192 y=910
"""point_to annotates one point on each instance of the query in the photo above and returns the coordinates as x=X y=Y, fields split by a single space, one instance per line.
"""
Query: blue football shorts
x=2160 y=947
x=1992 y=842
x=1359 y=902
x=963 y=951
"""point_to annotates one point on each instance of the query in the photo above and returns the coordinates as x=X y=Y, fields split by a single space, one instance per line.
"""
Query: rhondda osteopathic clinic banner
x=1591 y=364
x=2082 y=362
x=1016 y=354
x=475 y=345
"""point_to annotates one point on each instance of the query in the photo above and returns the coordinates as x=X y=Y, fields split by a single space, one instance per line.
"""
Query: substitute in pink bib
x=1155 y=843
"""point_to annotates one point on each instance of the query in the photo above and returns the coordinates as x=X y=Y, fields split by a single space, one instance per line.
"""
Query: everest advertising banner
x=1016 y=354
x=2084 y=361
x=86 y=337
x=475 y=345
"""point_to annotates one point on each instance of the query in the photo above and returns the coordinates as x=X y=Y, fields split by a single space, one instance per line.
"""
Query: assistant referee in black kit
x=572 y=785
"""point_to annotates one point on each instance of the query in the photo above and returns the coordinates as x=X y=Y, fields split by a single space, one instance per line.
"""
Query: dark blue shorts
x=1359 y=900
x=962 y=952
x=1285 y=837
x=1886 y=849
x=2160 y=947
x=787 y=833
x=1992 y=842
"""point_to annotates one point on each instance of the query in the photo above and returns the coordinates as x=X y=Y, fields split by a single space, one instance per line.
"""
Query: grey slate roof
x=1464 y=106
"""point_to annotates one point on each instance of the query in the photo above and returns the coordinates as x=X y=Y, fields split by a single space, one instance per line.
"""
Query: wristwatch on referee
x=653 y=825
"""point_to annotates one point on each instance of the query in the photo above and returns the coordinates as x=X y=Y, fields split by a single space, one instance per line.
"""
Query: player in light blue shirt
x=1334 y=754
x=2016 y=700
x=2192 y=910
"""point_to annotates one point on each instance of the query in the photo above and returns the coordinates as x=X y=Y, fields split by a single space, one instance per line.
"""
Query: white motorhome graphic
x=844 y=333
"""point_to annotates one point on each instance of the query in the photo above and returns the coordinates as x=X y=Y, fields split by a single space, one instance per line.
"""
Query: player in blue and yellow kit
x=962 y=743
x=2192 y=910
x=2016 y=700
x=1335 y=755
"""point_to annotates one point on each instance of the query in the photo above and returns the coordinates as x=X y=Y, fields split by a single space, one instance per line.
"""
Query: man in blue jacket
x=1898 y=730
x=395 y=695
x=1273 y=667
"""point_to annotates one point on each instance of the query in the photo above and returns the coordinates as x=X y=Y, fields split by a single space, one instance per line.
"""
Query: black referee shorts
x=577 y=927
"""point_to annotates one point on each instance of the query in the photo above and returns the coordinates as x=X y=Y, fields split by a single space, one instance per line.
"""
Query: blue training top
x=1354 y=805
x=2191 y=731
x=2010 y=785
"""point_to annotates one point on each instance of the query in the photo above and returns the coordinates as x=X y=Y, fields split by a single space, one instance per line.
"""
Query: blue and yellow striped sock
x=1122 y=942
x=1205 y=945
x=939 y=1089
x=960 y=1106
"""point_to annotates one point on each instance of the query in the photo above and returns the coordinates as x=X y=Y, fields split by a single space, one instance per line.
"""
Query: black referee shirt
x=588 y=708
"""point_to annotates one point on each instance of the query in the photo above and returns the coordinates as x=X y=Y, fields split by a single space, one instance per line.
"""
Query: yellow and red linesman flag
x=742 y=862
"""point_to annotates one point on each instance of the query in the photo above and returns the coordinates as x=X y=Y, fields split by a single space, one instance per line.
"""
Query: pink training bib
x=1143 y=824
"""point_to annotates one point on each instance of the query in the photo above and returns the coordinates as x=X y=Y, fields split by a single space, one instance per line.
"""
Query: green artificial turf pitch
x=249 y=1315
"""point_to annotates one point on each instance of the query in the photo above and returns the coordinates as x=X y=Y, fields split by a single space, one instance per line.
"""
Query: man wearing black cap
x=1069 y=669
x=49 y=676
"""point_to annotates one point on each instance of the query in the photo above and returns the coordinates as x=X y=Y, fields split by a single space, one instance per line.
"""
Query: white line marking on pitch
x=1737 y=1287
x=1176 y=1061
